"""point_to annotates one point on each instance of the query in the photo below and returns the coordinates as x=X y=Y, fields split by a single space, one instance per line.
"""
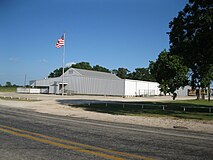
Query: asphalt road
x=26 y=135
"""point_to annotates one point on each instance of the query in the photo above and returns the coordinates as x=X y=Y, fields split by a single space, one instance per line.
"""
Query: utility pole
x=25 y=80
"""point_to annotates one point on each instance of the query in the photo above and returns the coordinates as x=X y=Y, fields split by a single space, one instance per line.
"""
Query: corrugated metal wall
x=95 y=86
x=141 y=88
x=46 y=82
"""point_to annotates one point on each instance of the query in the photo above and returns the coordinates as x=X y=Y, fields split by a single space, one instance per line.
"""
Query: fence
x=18 y=98
x=31 y=90
x=138 y=106
x=146 y=93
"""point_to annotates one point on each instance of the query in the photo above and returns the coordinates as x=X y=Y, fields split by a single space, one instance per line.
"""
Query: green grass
x=8 y=89
x=178 y=114
x=194 y=109
x=195 y=102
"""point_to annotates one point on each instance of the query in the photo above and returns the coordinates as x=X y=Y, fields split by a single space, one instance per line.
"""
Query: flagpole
x=63 y=56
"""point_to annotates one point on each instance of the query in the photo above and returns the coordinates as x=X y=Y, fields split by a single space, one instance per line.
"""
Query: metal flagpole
x=63 y=56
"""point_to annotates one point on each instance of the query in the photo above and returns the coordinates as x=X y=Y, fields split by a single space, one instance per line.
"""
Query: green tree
x=121 y=72
x=143 y=74
x=82 y=65
x=51 y=75
x=100 y=68
x=191 y=37
x=57 y=72
x=169 y=72
x=8 y=84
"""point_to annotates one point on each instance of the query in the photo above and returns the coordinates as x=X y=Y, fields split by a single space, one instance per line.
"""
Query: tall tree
x=57 y=72
x=121 y=72
x=8 y=84
x=100 y=68
x=191 y=37
x=82 y=65
x=169 y=72
x=143 y=74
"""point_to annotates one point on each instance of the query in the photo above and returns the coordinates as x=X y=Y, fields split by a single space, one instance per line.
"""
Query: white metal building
x=79 y=81
x=140 y=88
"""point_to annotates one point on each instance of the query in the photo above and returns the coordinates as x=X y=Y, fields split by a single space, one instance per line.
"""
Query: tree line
x=9 y=84
x=189 y=60
x=139 y=73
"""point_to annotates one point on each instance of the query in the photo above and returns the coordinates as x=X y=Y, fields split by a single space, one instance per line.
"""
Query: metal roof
x=89 y=73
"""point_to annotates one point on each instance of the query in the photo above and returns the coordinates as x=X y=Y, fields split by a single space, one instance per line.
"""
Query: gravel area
x=52 y=104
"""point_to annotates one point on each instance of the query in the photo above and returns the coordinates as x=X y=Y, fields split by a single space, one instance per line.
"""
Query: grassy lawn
x=189 y=109
x=195 y=102
x=8 y=89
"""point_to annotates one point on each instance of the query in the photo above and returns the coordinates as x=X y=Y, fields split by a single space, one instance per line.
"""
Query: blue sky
x=110 y=33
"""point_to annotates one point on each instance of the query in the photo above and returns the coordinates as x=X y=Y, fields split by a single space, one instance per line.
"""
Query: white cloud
x=12 y=59
x=69 y=64
x=43 y=60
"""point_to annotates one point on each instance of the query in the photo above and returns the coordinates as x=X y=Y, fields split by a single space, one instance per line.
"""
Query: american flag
x=60 y=42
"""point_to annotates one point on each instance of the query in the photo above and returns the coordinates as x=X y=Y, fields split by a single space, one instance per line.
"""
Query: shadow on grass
x=191 y=109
